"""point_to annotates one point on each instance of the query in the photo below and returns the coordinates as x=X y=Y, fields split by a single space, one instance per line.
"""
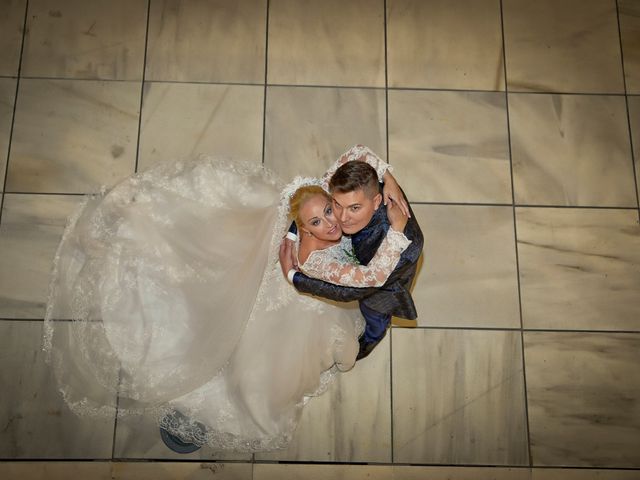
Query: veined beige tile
x=55 y=470
x=583 y=474
x=139 y=437
x=31 y=229
x=207 y=41
x=79 y=39
x=11 y=24
x=440 y=44
x=326 y=43
x=571 y=150
x=450 y=146
x=629 y=11
x=583 y=394
x=579 y=268
x=385 y=472
x=307 y=129
x=124 y=470
x=181 y=120
x=634 y=117
x=460 y=473
x=351 y=422
x=73 y=135
x=468 y=277
x=458 y=397
x=7 y=99
x=181 y=470
x=37 y=423
x=568 y=46
x=321 y=472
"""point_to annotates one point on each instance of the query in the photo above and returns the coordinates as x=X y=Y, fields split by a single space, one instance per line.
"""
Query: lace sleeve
x=361 y=153
x=339 y=271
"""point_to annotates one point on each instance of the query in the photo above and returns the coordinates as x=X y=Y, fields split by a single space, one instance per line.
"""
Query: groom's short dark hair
x=353 y=176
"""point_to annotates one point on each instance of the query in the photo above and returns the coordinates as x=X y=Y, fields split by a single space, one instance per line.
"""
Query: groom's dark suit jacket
x=393 y=297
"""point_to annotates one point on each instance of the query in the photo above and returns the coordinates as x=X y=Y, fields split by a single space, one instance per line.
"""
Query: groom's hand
x=287 y=256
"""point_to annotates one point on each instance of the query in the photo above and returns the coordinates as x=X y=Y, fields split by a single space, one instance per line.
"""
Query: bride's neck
x=313 y=243
x=310 y=244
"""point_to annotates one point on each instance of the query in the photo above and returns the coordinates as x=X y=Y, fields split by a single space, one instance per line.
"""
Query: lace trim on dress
x=358 y=153
x=333 y=264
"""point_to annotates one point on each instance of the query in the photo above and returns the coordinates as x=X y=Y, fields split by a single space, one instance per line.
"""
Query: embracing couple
x=370 y=218
x=168 y=297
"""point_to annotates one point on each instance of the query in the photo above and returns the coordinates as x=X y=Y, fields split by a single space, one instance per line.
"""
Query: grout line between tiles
x=425 y=327
x=266 y=73
x=362 y=87
x=386 y=103
x=115 y=419
x=13 y=113
x=523 y=205
x=144 y=72
x=459 y=204
x=516 y=329
x=314 y=463
x=626 y=101
x=515 y=236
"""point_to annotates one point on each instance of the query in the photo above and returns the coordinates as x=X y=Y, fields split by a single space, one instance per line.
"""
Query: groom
x=359 y=210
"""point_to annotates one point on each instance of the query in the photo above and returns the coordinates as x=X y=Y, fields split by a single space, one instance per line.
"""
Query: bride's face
x=318 y=219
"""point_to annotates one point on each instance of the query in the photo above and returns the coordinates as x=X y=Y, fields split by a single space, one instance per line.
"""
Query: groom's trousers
x=377 y=324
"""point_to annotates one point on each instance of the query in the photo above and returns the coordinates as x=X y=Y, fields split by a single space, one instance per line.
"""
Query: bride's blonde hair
x=300 y=197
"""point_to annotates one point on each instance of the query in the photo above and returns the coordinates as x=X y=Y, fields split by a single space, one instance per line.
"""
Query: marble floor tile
x=124 y=470
x=307 y=129
x=11 y=24
x=181 y=470
x=73 y=135
x=387 y=472
x=55 y=470
x=321 y=472
x=181 y=120
x=79 y=39
x=7 y=99
x=579 y=268
x=568 y=46
x=583 y=394
x=571 y=150
x=458 y=397
x=31 y=229
x=468 y=277
x=207 y=41
x=138 y=437
x=36 y=421
x=450 y=146
x=439 y=44
x=351 y=422
x=460 y=473
x=629 y=11
x=634 y=118
x=583 y=474
x=326 y=43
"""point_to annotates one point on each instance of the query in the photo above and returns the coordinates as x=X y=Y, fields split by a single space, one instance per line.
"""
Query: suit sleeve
x=329 y=291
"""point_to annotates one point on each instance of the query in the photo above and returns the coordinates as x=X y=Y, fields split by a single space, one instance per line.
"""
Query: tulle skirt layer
x=167 y=296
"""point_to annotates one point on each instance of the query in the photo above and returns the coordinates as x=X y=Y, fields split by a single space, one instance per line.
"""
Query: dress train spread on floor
x=167 y=296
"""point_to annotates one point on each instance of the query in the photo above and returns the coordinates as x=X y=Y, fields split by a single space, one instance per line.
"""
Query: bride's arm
x=391 y=190
x=362 y=154
x=321 y=266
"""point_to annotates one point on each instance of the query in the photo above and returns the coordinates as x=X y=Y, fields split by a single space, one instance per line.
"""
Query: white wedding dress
x=167 y=295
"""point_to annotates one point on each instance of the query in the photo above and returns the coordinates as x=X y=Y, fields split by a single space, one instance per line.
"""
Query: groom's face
x=354 y=209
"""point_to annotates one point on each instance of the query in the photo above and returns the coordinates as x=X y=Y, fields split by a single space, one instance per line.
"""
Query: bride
x=167 y=299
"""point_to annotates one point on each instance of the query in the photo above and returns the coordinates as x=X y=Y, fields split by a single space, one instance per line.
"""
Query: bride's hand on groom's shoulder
x=391 y=193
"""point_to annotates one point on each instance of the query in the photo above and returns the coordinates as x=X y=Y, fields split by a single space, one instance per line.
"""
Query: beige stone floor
x=512 y=125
